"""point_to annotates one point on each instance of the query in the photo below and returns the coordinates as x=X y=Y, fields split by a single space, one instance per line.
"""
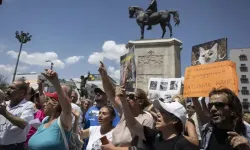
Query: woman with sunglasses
x=122 y=136
x=171 y=118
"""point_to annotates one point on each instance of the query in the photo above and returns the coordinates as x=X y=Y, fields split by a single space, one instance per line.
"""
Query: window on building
x=243 y=68
x=243 y=57
x=244 y=91
x=244 y=79
x=243 y=76
x=245 y=103
x=245 y=100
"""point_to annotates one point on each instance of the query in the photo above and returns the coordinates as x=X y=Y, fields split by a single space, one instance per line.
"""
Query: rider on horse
x=150 y=10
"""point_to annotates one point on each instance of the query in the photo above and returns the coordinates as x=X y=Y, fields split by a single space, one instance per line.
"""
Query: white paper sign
x=164 y=88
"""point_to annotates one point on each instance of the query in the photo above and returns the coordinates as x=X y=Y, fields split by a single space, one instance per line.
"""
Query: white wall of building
x=242 y=59
x=32 y=78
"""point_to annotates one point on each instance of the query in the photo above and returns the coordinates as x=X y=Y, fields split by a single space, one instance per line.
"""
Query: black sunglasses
x=217 y=105
x=131 y=96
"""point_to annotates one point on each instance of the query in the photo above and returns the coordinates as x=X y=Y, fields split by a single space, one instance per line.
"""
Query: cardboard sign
x=201 y=79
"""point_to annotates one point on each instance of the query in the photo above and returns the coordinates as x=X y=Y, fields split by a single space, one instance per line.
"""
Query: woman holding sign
x=138 y=101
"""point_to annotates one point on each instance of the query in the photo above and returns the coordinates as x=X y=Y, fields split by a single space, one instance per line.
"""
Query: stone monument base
x=156 y=58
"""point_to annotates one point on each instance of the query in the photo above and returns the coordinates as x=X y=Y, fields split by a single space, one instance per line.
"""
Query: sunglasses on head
x=217 y=105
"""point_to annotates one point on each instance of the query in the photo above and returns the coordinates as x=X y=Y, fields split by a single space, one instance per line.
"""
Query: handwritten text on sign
x=200 y=80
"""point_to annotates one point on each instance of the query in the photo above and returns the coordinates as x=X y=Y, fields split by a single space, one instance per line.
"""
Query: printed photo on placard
x=174 y=85
x=153 y=85
x=154 y=96
x=163 y=86
x=209 y=52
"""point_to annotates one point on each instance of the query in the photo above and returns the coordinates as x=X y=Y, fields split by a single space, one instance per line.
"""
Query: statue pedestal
x=156 y=58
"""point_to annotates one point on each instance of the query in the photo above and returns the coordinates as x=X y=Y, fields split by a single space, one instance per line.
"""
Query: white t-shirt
x=74 y=106
x=11 y=134
x=198 y=125
x=94 y=138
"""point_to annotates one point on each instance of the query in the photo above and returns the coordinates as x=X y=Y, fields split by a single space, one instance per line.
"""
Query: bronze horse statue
x=161 y=17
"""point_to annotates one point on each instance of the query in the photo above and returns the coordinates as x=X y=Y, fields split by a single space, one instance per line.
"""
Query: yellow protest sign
x=201 y=79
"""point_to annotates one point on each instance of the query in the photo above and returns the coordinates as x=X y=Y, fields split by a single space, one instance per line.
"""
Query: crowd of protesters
x=120 y=120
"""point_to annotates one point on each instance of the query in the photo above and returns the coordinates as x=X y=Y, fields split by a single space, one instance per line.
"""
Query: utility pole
x=22 y=38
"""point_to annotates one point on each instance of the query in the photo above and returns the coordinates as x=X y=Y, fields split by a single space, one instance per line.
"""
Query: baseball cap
x=174 y=108
x=52 y=95
x=98 y=90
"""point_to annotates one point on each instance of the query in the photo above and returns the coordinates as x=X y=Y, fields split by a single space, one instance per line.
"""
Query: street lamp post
x=51 y=64
x=22 y=38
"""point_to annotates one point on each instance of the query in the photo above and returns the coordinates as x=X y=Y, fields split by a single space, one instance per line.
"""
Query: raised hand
x=109 y=146
x=40 y=84
x=102 y=69
x=120 y=92
x=51 y=76
x=238 y=141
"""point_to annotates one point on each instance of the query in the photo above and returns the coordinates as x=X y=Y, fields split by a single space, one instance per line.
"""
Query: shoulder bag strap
x=63 y=134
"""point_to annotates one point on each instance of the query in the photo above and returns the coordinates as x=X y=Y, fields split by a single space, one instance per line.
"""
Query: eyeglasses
x=217 y=105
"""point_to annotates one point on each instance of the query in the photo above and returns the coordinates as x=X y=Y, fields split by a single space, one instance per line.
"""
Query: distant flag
x=1 y=1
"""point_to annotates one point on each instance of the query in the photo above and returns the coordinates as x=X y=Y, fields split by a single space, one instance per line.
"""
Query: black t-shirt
x=155 y=141
x=219 y=140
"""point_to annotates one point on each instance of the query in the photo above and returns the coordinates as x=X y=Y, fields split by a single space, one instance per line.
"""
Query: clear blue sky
x=79 y=28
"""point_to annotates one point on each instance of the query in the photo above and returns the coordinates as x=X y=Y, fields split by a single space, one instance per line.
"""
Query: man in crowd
x=226 y=130
x=15 y=117
x=74 y=98
x=91 y=115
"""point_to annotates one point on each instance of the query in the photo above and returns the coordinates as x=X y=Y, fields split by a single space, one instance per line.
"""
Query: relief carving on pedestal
x=150 y=60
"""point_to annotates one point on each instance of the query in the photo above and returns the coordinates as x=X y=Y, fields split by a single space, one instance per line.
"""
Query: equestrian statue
x=152 y=17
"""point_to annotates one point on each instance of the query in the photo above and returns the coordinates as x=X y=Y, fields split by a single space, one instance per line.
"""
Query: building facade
x=242 y=59
x=32 y=78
